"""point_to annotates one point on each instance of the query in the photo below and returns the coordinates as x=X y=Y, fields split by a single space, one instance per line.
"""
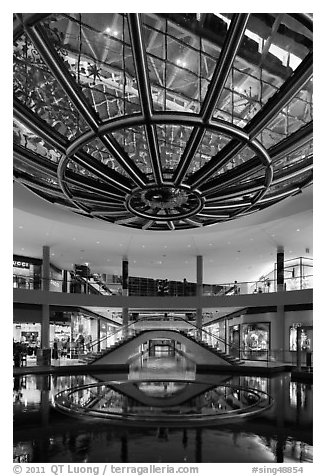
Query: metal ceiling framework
x=92 y=173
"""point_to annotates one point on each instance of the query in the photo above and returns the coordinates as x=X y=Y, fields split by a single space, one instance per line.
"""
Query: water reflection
x=282 y=433
x=162 y=364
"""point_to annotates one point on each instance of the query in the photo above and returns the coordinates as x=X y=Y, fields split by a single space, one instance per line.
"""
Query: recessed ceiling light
x=52 y=254
x=298 y=229
x=273 y=235
x=98 y=242
x=143 y=246
x=20 y=226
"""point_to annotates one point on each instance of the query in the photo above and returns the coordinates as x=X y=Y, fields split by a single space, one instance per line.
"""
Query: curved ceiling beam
x=287 y=91
x=233 y=39
x=145 y=94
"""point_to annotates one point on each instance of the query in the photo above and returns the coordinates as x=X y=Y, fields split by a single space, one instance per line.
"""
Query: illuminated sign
x=21 y=264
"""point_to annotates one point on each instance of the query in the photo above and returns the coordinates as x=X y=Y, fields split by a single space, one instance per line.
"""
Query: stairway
x=91 y=357
x=228 y=358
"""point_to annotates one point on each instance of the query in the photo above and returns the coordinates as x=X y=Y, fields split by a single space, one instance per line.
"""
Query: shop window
x=306 y=337
x=255 y=340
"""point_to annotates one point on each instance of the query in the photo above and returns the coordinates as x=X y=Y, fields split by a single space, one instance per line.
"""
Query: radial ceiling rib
x=84 y=183
x=238 y=191
x=231 y=176
x=39 y=127
x=222 y=70
x=145 y=97
x=296 y=140
x=58 y=69
x=96 y=167
x=287 y=91
x=25 y=19
x=230 y=48
x=148 y=224
x=170 y=225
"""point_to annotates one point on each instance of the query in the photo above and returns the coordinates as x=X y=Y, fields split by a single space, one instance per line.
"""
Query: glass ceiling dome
x=163 y=121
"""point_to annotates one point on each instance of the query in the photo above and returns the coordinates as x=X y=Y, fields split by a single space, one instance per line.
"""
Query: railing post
x=199 y=313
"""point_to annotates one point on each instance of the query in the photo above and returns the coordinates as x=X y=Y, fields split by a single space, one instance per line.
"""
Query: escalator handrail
x=107 y=336
x=235 y=347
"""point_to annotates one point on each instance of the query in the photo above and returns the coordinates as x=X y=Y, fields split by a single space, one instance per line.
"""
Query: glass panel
x=96 y=51
x=180 y=59
x=134 y=142
x=246 y=154
x=97 y=150
x=211 y=144
x=36 y=88
x=294 y=116
x=26 y=138
x=272 y=48
x=172 y=141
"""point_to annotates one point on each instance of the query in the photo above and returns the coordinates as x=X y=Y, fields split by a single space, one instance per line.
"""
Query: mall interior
x=162 y=237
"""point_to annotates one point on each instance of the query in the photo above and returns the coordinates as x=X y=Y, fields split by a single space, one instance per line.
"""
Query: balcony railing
x=79 y=285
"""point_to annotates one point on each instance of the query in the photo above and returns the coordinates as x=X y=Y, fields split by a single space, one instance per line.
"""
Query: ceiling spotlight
x=108 y=30
x=298 y=229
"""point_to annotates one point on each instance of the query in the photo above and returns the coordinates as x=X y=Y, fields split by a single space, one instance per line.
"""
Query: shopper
x=55 y=351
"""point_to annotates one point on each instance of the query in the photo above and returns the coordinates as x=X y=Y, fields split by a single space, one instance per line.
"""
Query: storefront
x=305 y=332
x=255 y=340
x=27 y=273
x=234 y=340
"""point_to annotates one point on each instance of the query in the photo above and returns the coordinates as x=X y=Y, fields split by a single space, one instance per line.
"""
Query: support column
x=278 y=339
x=280 y=269
x=199 y=312
x=44 y=357
x=298 y=347
x=125 y=290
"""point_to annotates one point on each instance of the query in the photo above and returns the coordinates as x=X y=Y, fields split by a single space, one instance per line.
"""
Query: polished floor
x=282 y=433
